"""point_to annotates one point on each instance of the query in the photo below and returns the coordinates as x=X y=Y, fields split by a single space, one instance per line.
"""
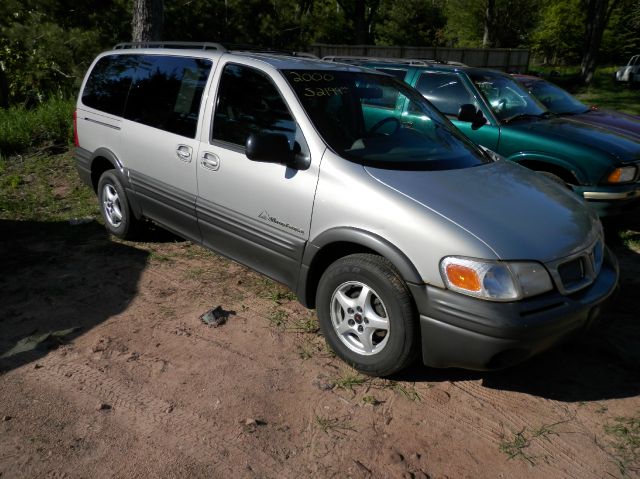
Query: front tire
x=367 y=314
x=115 y=209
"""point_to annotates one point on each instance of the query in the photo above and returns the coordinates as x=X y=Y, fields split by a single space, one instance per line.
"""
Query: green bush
x=50 y=124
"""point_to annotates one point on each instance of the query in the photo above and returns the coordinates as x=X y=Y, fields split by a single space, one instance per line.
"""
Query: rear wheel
x=115 y=208
x=367 y=315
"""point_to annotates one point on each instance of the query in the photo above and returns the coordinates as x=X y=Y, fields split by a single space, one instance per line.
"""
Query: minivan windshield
x=376 y=120
x=508 y=99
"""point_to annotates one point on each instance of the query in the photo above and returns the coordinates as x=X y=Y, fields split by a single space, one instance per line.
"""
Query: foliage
x=560 y=33
x=413 y=22
x=46 y=46
x=513 y=22
x=49 y=124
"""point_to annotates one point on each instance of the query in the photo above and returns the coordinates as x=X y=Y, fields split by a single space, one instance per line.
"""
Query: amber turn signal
x=463 y=277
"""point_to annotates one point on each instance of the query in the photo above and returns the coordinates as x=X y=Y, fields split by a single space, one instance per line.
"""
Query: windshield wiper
x=522 y=116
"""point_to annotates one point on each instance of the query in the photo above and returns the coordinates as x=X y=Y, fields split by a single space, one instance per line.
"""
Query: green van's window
x=445 y=91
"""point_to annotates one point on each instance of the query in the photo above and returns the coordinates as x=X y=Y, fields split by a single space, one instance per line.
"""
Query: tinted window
x=394 y=72
x=109 y=82
x=166 y=92
x=445 y=91
x=248 y=102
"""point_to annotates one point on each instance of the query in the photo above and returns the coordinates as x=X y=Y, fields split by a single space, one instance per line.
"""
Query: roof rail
x=238 y=47
x=186 y=45
x=403 y=61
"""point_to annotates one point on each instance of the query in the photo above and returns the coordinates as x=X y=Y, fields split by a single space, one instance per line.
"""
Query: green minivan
x=496 y=112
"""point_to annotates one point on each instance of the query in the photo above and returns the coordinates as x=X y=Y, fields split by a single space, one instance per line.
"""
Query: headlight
x=624 y=174
x=494 y=280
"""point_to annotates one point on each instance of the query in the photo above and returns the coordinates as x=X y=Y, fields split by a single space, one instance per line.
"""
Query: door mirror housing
x=471 y=114
x=274 y=148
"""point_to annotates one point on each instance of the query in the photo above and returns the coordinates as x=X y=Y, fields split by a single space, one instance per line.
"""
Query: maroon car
x=562 y=103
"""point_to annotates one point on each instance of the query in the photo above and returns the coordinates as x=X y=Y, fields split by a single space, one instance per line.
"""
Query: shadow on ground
x=602 y=363
x=58 y=282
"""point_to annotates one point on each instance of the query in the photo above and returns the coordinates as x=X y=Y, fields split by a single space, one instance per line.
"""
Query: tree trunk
x=489 y=13
x=148 y=20
x=598 y=13
x=356 y=11
x=4 y=90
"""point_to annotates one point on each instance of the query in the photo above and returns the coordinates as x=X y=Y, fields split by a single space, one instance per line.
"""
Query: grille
x=572 y=273
x=580 y=270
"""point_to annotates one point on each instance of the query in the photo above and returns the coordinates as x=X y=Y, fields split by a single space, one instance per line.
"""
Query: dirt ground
x=106 y=370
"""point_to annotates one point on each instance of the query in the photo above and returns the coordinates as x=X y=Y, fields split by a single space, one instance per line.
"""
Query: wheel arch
x=102 y=160
x=551 y=165
x=339 y=242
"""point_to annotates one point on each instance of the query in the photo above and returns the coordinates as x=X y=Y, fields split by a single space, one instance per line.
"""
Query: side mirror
x=274 y=148
x=469 y=113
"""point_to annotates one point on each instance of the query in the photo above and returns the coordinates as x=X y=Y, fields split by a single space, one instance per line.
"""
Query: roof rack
x=403 y=61
x=188 y=45
x=238 y=47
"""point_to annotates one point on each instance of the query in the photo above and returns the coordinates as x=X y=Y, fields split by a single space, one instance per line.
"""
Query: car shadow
x=602 y=363
x=58 y=282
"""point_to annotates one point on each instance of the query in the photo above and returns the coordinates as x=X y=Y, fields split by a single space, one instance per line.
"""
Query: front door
x=257 y=213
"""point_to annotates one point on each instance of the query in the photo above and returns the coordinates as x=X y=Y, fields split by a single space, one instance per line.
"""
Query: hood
x=517 y=213
x=593 y=136
x=620 y=123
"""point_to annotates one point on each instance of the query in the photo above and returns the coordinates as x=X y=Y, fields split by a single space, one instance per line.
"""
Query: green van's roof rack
x=403 y=61
x=210 y=46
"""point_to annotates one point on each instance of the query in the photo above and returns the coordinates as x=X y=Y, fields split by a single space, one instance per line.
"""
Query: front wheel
x=367 y=315
x=115 y=208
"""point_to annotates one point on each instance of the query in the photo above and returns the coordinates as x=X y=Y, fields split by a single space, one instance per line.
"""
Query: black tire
x=389 y=300
x=113 y=204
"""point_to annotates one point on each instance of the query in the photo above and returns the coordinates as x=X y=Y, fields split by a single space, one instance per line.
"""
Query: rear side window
x=109 y=82
x=394 y=72
x=445 y=91
x=160 y=91
x=166 y=93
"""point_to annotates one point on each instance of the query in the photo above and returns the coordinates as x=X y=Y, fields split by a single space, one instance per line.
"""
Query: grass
x=44 y=187
x=625 y=441
x=349 y=381
x=329 y=424
x=22 y=130
x=515 y=446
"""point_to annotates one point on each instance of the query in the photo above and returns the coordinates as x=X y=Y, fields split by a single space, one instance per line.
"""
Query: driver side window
x=445 y=90
x=248 y=102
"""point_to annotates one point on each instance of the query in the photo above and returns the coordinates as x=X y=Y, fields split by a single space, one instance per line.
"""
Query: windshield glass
x=378 y=121
x=507 y=98
x=555 y=98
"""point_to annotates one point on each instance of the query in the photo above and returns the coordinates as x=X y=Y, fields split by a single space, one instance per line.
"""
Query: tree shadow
x=599 y=364
x=58 y=282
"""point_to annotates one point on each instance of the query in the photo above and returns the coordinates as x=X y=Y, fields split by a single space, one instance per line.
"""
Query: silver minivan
x=406 y=237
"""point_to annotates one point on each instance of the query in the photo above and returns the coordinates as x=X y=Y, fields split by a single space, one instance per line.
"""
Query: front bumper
x=461 y=331
x=611 y=200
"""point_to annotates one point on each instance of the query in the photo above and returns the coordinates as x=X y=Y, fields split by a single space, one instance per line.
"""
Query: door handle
x=210 y=161
x=184 y=153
